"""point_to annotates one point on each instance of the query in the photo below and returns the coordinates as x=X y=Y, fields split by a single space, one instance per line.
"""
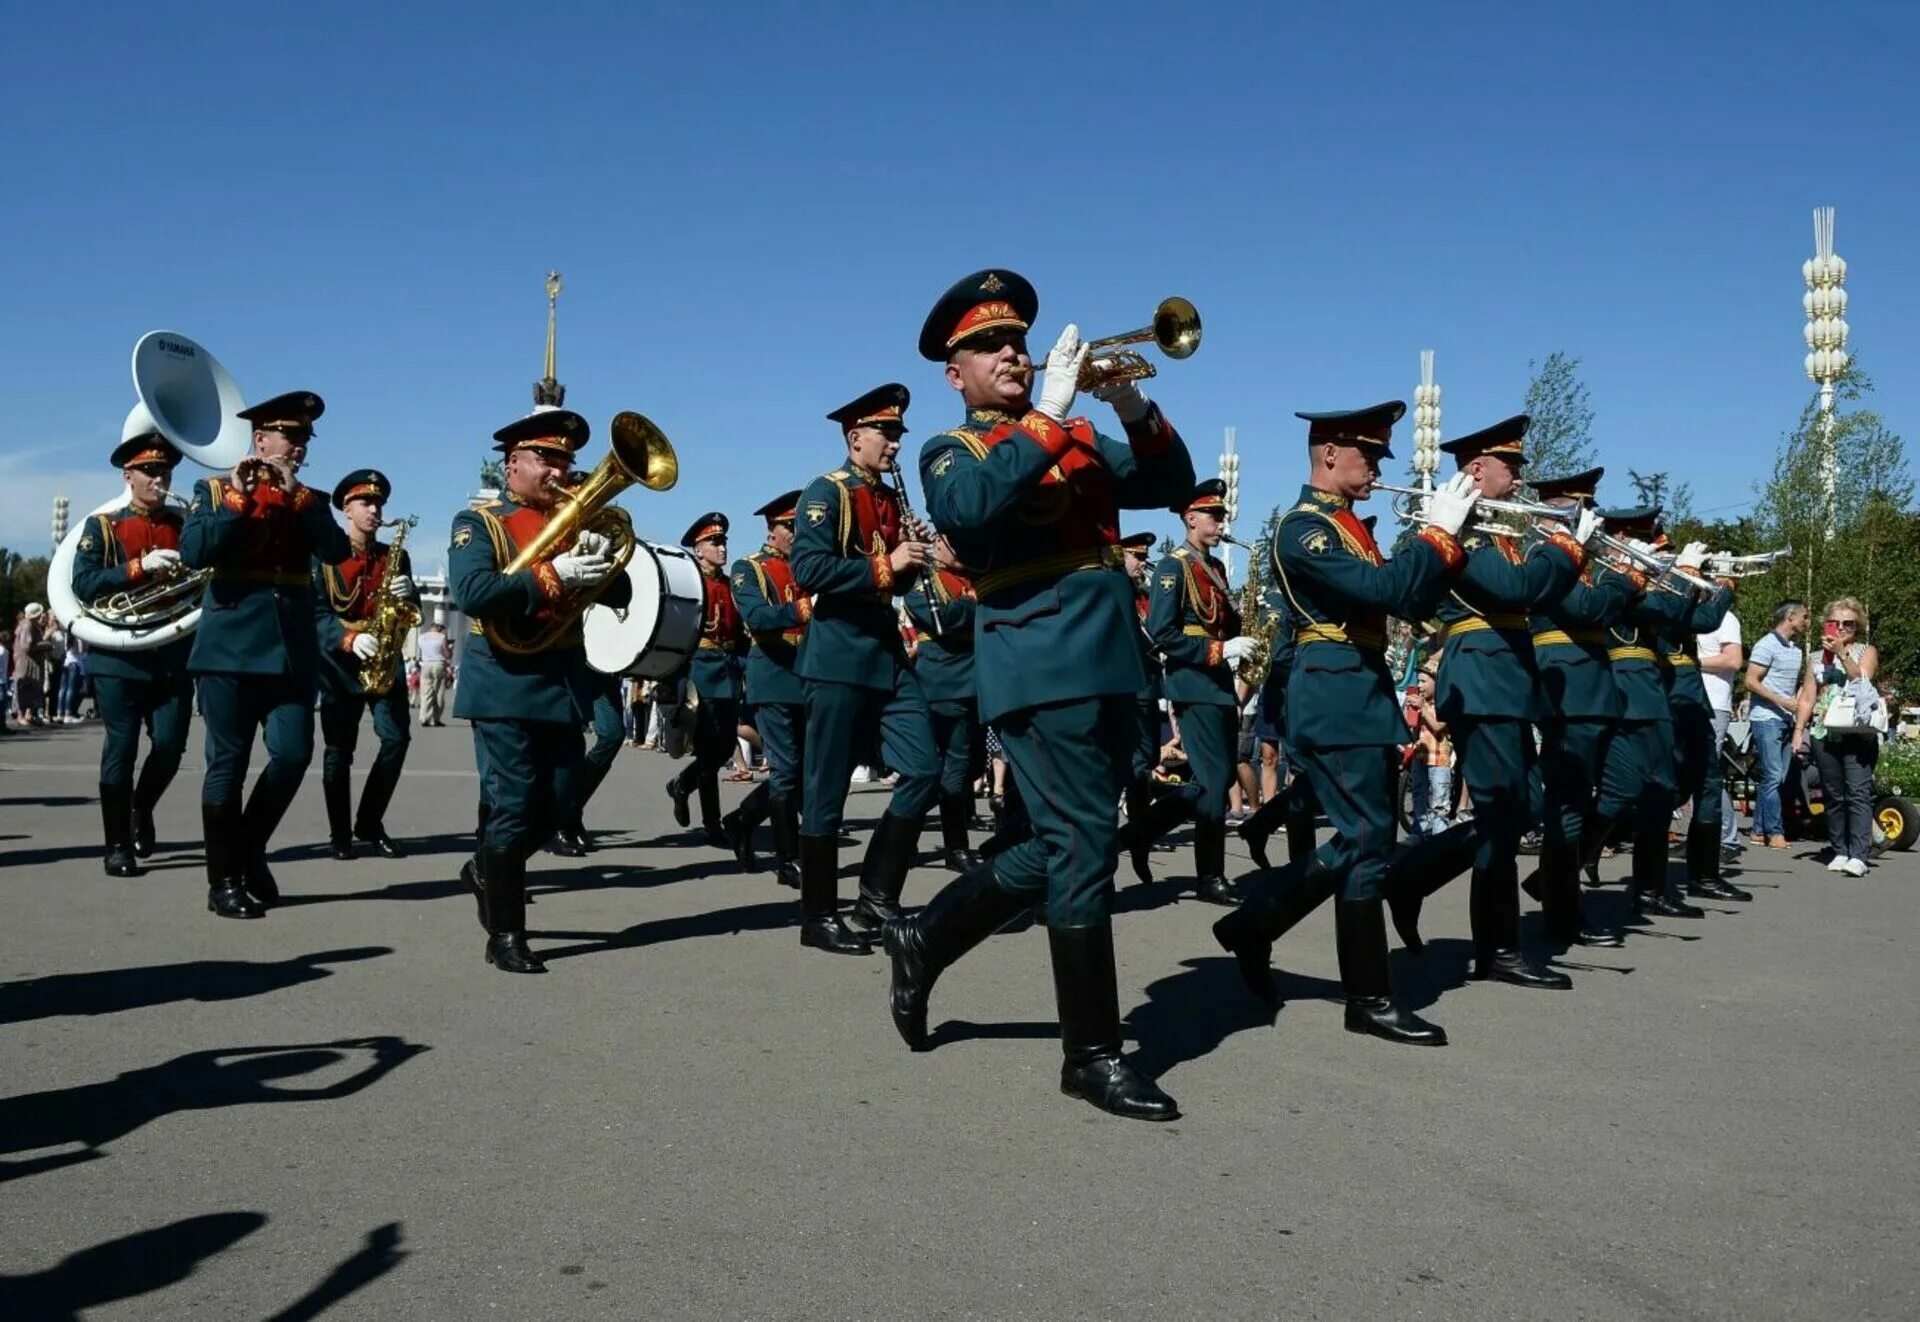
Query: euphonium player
x=1031 y=497
x=1344 y=725
x=136 y=545
x=255 y=657
x=527 y=708
x=346 y=595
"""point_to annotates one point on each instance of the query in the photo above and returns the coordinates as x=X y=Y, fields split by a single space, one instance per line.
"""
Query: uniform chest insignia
x=1315 y=541
x=817 y=512
x=462 y=535
x=86 y=542
x=943 y=464
x=1167 y=581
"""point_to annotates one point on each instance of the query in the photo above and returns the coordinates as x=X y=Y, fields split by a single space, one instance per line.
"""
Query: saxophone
x=391 y=619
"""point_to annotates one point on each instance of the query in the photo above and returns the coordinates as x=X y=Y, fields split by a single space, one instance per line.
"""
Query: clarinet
x=916 y=528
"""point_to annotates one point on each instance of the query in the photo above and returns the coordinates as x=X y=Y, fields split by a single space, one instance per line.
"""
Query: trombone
x=1176 y=329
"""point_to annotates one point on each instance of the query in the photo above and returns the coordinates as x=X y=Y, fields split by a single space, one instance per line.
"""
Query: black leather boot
x=1162 y=816
x=1650 y=893
x=224 y=843
x=710 y=813
x=481 y=813
x=1420 y=870
x=116 y=824
x=1703 y=866
x=1210 y=863
x=883 y=873
x=682 y=796
x=1495 y=910
x=472 y=873
x=1300 y=831
x=1259 y=828
x=505 y=877
x=956 y=815
x=146 y=796
x=338 y=794
x=820 y=923
x=262 y=812
x=1362 y=937
x=1091 y=1068
x=370 y=824
x=740 y=823
x=786 y=841
x=1557 y=886
x=967 y=910
x=1278 y=902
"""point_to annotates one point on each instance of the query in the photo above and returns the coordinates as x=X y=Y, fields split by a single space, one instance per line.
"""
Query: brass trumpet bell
x=644 y=451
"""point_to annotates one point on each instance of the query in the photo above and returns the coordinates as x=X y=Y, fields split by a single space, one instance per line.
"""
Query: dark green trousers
x=521 y=764
x=1698 y=774
x=840 y=721
x=958 y=745
x=1209 y=734
x=577 y=787
x=236 y=709
x=1496 y=761
x=1146 y=746
x=782 y=727
x=164 y=707
x=1070 y=761
x=340 y=731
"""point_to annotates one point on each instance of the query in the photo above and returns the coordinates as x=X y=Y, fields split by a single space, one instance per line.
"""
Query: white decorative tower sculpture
x=1426 y=425
x=1826 y=307
x=1230 y=474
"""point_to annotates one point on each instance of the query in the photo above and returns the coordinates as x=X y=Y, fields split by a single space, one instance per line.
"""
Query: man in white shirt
x=1721 y=658
x=434 y=654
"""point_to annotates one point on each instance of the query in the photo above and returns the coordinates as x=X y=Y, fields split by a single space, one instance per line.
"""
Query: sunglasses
x=1844 y=624
x=153 y=470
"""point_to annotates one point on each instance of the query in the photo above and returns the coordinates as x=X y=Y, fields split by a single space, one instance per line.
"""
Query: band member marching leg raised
x=717 y=718
x=578 y=786
x=1343 y=720
x=255 y=656
x=135 y=545
x=524 y=569
x=852 y=553
x=942 y=607
x=363 y=609
x=1196 y=628
x=1030 y=499
x=775 y=613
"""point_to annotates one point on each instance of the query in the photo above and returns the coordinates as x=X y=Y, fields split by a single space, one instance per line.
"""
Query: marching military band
x=1566 y=675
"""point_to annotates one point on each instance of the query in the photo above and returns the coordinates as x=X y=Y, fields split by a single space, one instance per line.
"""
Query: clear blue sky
x=754 y=205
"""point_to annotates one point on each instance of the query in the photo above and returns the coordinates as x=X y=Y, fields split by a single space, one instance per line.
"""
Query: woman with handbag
x=1844 y=715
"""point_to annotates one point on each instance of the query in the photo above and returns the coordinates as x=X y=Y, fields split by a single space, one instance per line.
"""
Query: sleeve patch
x=1167 y=582
x=817 y=512
x=462 y=535
x=1315 y=541
x=944 y=464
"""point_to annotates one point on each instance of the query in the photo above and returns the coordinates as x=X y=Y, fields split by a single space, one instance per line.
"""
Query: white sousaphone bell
x=183 y=393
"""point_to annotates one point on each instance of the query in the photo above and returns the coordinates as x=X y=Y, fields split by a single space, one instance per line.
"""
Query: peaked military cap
x=1506 y=438
x=985 y=300
x=1633 y=518
x=706 y=526
x=555 y=430
x=882 y=404
x=362 y=482
x=781 y=509
x=1369 y=428
x=152 y=448
x=1209 y=497
x=1140 y=541
x=294 y=411
x=1576 y=486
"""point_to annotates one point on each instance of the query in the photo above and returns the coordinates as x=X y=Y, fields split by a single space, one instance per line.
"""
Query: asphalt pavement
x=340 y=1110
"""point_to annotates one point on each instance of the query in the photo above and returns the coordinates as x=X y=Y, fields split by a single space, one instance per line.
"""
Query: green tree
x=1560 y=438
x=22 y=579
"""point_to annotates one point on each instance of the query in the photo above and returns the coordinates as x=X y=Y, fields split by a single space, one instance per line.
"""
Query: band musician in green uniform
x=716 y=722
x=345 y=595
x=255 y=658
x=1294 y=807
x=852 y=553
x=1030 y=497
x=1488 y=691
x=1343 y=719
x=1153 y=806
x=1196 y=628
x=122 y=551
x=1697 y=772
x=942 y=607
x=525 y=683
x=775 y=613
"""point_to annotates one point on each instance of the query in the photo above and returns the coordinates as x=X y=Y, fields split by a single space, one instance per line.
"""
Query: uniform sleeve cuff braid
x=1568 y=547
x=346 y=640
x=1446 y=544
x=1152 y=435
x=1215 y=651
x=803 y=607
x=135 y=574
x=1050 y=435
x=547 y=579
x=882 y=570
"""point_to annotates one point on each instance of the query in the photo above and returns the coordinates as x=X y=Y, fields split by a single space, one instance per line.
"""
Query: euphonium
x=392 y=618
x=638 y=452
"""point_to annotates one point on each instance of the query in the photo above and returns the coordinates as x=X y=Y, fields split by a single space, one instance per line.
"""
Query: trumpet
x=1745 y=566
x=266 y=470
x=1176 y=329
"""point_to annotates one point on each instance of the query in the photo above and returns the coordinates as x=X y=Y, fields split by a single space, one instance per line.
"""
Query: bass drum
x=657 y=632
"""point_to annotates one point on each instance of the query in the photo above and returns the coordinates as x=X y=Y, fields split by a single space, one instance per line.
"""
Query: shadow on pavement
x=48 y=801
x=124 y=1268
x=112 y=990
x=96 y=1114
x=965 y=1030
x=1420 y=978
x=719 y=922
x=1189 y=1014
x=380 y=1254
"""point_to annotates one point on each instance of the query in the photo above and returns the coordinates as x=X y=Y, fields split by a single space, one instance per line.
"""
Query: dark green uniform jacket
x=1678 y=645
x=1630 y=646
x=847 y=527
x=1191 y=617
x=106 y=560
x=945 y=658
x=1486 y=665
x=1570 y=644
x=554 y=684
x=1033 y=506
x=344 y=597
x=723 y=637
x=775 y=615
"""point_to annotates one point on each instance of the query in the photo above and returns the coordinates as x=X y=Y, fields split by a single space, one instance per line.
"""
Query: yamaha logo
x=175 y=347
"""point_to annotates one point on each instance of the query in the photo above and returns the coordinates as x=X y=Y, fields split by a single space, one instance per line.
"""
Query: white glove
x=1692 y=557
x=364 y=645
x=592 y=545
x=1126 y=397
x=1451 y=506
x=1235 y=649
x=581 y=571
x=1587 y=527
x=402 y=585
x=1064 y=362
x=1648 y=550
x=160 y=561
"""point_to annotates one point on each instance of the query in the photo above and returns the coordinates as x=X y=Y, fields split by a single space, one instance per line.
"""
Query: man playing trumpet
x=255 y=657
x=527 y=706
x=136 y=545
